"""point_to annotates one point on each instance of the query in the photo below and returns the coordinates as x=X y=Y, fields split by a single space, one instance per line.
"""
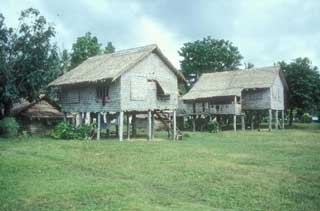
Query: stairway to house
x=166 y=120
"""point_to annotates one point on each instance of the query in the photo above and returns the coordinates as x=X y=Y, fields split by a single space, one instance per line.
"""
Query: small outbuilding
x=127 y=82
x=235 y=92
x=38 y=116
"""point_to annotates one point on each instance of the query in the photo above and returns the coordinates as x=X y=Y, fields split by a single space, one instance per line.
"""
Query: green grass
x=243 y=171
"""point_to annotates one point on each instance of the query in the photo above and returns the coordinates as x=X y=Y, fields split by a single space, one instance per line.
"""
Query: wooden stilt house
x=127 y=82
x=235 y=92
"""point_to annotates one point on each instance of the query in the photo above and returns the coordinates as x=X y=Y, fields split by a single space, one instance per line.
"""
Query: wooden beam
x=282 y=119
x=174 y=125
x=270 y=120
x=276 y=124
x=99 y=126
x=149 y=125
x=243 y=124
x=65 y=116
x=120 y=130
x=194 y=123
x=252 y=121
x=108 y=123
x=133 y=123
x=152 y=125
x=128 y=126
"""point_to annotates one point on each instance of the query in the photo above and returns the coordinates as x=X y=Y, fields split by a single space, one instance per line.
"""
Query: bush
x=307 y=118
x=213 y=126
x=9 y=127
x=67 y=131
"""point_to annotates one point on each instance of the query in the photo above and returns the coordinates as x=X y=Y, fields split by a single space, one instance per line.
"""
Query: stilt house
x=127 y=82
x=234 y=92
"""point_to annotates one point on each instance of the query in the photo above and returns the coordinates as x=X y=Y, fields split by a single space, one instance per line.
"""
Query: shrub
x=307 y=118
x=213 y=126
x=9 y=127
x=67 y=131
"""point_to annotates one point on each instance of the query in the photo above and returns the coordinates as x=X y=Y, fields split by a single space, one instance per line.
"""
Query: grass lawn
x=242 y=171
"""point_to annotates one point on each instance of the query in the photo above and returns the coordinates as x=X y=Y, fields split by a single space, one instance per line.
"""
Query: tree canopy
x=109 y=48
x=87 y=46
x=31 y=60
x=304 y=85
x=209 y=55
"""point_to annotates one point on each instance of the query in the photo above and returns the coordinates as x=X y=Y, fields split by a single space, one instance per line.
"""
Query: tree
x=109 y=48
x=32 y=60
x=304 y=86
x=248 y=65
x=209 y=55
x=8 y=91
x=85 y=47
x=65 y=61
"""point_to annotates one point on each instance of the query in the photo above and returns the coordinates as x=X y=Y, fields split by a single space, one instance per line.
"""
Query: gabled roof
x=231 y=83
x=111 y=66
x=41 y=108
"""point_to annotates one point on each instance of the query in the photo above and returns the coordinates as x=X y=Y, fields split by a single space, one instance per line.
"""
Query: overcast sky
x=264 y=31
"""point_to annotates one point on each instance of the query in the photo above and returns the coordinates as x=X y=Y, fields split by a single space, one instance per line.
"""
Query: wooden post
x=149 y=125
x=99 y=126
x=108 y=123
x=120 y=126
x=128 y=126
x=65 y=116
x=282 y=119
x=88 y=119
x=270 y=120
x=252 y=122
x=235 y=123
x=133 y=123
x=243 y=124
x=194 y=123
x=276 y=124
x=78 y=119
x=152 y=125
x=174 y=125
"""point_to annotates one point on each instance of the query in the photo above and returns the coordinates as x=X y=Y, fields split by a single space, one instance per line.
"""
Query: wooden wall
x=134 y=90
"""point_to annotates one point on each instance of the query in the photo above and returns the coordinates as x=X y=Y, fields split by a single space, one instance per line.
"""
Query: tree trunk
x=291 y=117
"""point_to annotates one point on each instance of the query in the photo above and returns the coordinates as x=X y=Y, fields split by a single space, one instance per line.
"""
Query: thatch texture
x=110 y=66
x=231 y=83
x=43 y=108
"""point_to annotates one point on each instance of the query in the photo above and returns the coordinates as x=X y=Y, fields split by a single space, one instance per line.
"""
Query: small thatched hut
x=127 y=82
x=234 y=92
x=38 y=116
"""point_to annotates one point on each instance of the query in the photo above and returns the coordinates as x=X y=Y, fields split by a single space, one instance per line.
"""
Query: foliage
x=85 y=47
x=213 y=126
x=65 y=61
x=9 y=127
x=307 y=118
x=209 y=55
x=304 y=85
x=109 y=48
x=31 y=60
x=67 y=131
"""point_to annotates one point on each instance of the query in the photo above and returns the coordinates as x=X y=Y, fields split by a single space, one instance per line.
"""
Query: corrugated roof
x=230 y=83
x=110 y=66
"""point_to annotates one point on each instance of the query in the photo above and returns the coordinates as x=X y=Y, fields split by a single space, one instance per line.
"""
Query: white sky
x=264 y=31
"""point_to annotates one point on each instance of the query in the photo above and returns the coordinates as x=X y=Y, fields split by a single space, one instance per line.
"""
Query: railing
x=216 y=109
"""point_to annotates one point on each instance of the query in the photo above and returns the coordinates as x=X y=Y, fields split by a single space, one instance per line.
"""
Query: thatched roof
x=231 y=83
x=111 y=66
x=43 y=108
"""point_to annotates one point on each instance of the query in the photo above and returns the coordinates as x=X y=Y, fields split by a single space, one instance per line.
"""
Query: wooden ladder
x=165 y=119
